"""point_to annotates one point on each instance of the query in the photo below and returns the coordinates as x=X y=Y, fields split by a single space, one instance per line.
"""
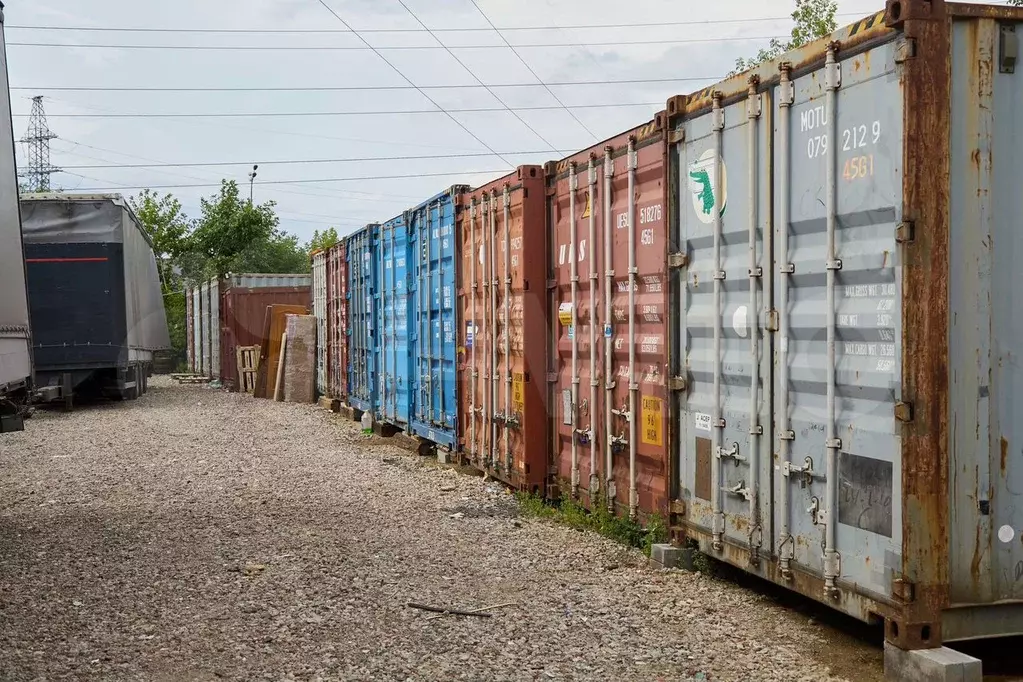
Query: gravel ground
x=198 y=535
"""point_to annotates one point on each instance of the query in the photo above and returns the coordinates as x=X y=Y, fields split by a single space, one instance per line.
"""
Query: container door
x=204 y=297
x=839 y=370
x=393 y=354
x=339 y=319
x=215 y=329
x=434 y=356
x=724 y=426
x=363 y=331
x=196 y=336
x=320 y=312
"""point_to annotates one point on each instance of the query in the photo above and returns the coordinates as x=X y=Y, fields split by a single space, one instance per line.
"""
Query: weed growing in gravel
x=600 y=521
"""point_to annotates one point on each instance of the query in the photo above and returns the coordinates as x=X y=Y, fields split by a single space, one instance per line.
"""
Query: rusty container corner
x=846 y=424
x=608 y=274
x=244 y=300
x=337 y=322
x=502 y=322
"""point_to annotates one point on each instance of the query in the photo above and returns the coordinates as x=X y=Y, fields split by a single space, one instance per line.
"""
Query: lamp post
x=252 y=180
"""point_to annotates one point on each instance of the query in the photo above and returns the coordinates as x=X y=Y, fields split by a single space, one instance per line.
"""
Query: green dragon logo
x=701 y=184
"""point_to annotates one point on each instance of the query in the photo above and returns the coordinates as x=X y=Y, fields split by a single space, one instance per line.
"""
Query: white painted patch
x=740 y=322
x=702 y=422
x=1006 y=534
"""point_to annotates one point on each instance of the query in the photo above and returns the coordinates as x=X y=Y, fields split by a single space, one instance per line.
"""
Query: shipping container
x=608 y=330
x=189 y=326
x=846 y=340
x=434 y=316
x=392 y=351
x=338 y=323
x=320 y=313
x=15 y=338
x=243 y=303
x=503 y=322
x=362 y=251
x=195 y=334
x=94 y=292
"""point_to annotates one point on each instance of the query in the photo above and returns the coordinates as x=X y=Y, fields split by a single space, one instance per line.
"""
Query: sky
x=344 y=171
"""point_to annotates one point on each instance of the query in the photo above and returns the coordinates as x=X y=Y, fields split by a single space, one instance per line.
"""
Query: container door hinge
x=905 y=50
x=904 y=412
x=772 y=321
x=552 y=377
x=678 y=260
x=552 y=284
x=1008 y=49
x=903 y=590
x=677 y=135
x=905 y=232
x=677 y=384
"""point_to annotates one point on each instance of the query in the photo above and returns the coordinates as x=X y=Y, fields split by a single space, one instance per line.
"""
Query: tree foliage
x=322 y=241
x=813 y=19
x=166 y=224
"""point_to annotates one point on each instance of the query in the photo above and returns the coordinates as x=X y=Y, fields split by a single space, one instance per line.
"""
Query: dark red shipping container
x=502 y=365
x=608 y=328
x=337 y=322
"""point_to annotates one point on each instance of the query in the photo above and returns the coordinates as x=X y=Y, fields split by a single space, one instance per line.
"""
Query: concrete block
x=670 y=556
x=444 y=456
x=930 y=665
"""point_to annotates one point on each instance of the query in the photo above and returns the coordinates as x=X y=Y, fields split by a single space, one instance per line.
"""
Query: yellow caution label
x=518 y=393
x=589 y=205
x=653 y=422
x=565 y=314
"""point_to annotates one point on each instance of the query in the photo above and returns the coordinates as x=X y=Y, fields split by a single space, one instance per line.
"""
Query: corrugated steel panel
x=502 y=331
x=845 y=326
x=393 y=358
x=337 y=315
x=268 y=281
x=215 y=329
x=320 y=312
x=244 y=319
x=362 y=253
x=195 y=336
x=189 y=323
x=609 y=337
x=434 y=349
x=204 y=329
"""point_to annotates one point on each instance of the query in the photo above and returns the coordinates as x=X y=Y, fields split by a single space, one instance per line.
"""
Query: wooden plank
x=274 y=327
x=279 y=385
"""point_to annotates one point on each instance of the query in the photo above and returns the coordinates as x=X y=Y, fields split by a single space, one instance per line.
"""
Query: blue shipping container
x=394 y=363
x=362 y=253
x=434 y=349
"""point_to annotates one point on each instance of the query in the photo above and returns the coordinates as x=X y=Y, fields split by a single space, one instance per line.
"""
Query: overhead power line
x=506 y=29
x=385 y=112
x=411 y=83
x=354 y=178
x=442 y=46
x=367 y=88
x=365 y=159
x=531 y=71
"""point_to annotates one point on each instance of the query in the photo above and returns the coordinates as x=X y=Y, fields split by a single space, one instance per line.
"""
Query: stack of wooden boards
x=287 y=360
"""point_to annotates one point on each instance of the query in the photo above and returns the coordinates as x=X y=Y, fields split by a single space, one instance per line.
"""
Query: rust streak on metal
x=1005 y=454
x=1001 y=12
x=926 y=78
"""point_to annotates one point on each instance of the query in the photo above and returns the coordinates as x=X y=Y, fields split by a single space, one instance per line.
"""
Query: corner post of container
x=786 y=98
x=573 y=186
x=754 y=109
x=494 y=453
x=718 y=529
x=474 y=370
x=609 y=291
x=832 y=560
x=485 y=413
x=633 y=284
x=594 y=282
x=508 y=418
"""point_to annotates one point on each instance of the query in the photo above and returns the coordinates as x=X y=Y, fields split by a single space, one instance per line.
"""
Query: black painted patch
x=865 y=493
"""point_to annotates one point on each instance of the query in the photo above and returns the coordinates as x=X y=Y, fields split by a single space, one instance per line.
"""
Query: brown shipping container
x=609 y=349
x=337 y=321
x=243 y=313
x=503 y=318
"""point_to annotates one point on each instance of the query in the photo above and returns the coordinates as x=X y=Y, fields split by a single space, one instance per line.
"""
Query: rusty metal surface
x=925 y=461
x=337 y=321
x=585 y=419
x=319 y=262
x=503 y=426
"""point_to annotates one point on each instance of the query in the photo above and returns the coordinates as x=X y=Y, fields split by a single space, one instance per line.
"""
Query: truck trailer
x=96 y=307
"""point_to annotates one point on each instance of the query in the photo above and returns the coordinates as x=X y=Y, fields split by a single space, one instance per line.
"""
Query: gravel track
x=199 y=535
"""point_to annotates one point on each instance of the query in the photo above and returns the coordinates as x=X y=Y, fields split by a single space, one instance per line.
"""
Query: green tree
x=280 y=253
x=228 y=228
x=322 y=241
x=813 y=19
x=167 y=226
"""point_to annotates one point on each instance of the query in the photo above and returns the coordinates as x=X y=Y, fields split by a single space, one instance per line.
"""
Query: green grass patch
x=600 y=521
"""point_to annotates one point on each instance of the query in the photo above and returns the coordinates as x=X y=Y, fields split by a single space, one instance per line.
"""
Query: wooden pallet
x=248 y=367
x=194 y=380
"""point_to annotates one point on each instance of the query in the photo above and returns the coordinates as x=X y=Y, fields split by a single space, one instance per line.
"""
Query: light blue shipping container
x=362 y=252
x=393 y=360
x=434 y=317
